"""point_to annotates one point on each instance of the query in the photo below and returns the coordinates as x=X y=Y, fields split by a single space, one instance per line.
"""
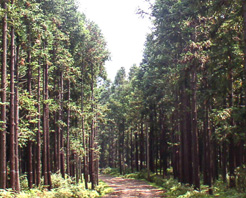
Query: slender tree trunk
x=39 y=134
x=46 y=148
x=68 y=128
x=163 y=144
x=127 y=149
x=132 y=149
x=136 y=154
x=142 y=145
x=30 y=143
x=85 y=161
x=92 y=135
x=12 y=112
x=17 y=179
x=45 y=157
x=60 y=137
x=244 y=63
x=147 y=150
x=232 y=180
x=244 y=33
x=3 y=168
x=195 y=148
x=207 y=151
x=151 y=140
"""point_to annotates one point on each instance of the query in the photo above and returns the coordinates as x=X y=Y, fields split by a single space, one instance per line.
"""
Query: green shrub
x=6 y=193
x=61 y=188
x=110 y=171
x=241 y=178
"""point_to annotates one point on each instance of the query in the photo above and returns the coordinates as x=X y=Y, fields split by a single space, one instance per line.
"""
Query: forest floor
x=124 y=188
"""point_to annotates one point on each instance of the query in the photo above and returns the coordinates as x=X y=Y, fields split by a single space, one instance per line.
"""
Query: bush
x=62 y=188
x=241 y=178
x=111 y=171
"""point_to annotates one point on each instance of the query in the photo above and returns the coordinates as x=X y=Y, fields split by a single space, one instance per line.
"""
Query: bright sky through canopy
x=124 y=30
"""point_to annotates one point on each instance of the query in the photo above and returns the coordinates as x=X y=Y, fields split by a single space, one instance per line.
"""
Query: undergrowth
x=62 y=188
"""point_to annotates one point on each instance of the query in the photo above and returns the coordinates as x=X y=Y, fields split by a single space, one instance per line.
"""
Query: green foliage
x=110 y=171
x=241 y=178
x=62 y=188
x=173 y=188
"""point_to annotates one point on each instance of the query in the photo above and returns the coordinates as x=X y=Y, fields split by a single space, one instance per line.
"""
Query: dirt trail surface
x=125 y=188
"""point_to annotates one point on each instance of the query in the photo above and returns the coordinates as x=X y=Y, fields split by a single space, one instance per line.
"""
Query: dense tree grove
x=183 y=109
x=51 y=60
x=180 y=113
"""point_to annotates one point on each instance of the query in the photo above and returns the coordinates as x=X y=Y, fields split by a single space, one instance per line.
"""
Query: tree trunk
x=85 y=162
x=92 y=135
x=195 y=148
x=244 y=62
x=132 y=149
x=46 y=148
x=3 y=168
x=147 y=150
x=39 y=134
x=142 y=145
x=12 y=112
x=232 y=180
x=30 y=143
x=60 y=137
x=136 y=154
x=68 y=128
x=17 y=179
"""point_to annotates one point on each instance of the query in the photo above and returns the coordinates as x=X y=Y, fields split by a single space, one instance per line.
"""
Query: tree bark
x=46 y=147
x=12 y=112
x=85 y=161
x=3 y=168
x=39 y=134
x=17 y=179
x=68 y=128
x=29 y=89
x=195 y=148
x=92 y=135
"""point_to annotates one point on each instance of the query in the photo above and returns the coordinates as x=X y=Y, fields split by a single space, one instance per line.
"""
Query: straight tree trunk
x=147 y=150
x=46 y=147
x=92 y=135
x=132 y=149
x=3 y=168
x=195 y=148
x=30 y=143
x=207 y=151
x=68 y=128
x=142 y=145
x=151 y=140
x=45 y=156
x=244 y=62
x=17 y=179
x=39 y=134
x=136 y=154
x=60 y=137
x=232 y=182
x=12 y=112
x=85 y=162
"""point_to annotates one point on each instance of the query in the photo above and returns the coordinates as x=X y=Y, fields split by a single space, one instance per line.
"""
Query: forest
x=180 y=114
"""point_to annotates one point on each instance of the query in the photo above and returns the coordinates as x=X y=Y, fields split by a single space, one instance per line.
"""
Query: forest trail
x=124 y=188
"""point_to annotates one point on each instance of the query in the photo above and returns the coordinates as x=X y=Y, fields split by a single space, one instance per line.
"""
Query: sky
x=124 y=31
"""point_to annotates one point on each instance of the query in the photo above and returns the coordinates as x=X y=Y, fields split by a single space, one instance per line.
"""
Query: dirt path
x=125 y=188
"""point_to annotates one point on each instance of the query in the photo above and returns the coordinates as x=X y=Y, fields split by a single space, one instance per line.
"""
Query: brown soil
x=124 y=188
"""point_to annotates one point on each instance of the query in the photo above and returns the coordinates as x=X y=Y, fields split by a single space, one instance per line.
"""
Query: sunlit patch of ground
x=124 y=188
